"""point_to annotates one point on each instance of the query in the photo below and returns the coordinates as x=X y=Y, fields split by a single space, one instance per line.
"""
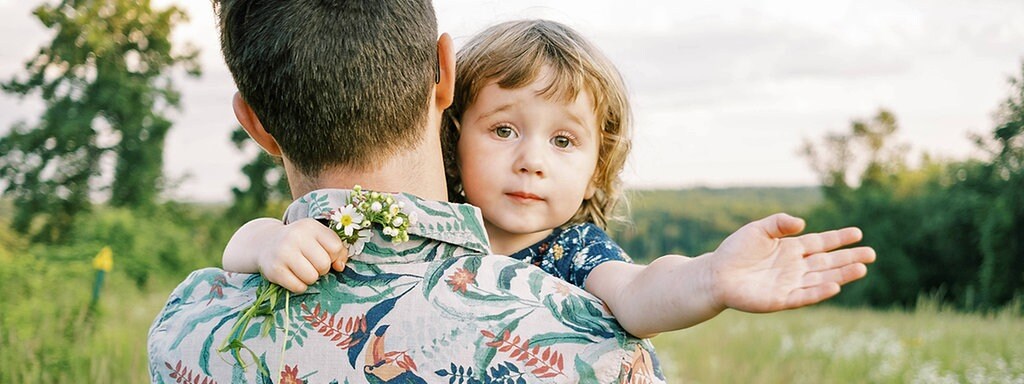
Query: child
x=536 y=138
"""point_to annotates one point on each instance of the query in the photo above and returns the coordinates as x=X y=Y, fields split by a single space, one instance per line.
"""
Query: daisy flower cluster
x=354 y=221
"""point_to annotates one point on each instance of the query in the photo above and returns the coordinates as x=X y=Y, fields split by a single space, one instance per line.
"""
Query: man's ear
x=252 y=125
x=445 y=91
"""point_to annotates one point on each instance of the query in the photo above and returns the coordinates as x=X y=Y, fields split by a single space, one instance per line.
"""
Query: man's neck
x=418 y=171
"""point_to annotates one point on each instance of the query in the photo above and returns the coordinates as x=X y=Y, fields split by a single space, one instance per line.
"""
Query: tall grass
x=932 y=344
x=54 y=337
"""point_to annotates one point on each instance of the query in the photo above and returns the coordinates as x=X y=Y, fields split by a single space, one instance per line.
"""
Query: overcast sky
x=724 y=92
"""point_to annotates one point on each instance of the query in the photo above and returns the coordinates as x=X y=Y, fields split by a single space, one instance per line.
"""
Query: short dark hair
x=335 y=82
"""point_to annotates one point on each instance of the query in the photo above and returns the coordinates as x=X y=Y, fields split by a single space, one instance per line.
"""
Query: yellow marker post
x=102 y=263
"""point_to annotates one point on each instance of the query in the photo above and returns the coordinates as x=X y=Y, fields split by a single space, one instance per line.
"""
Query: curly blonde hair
x=514 y=54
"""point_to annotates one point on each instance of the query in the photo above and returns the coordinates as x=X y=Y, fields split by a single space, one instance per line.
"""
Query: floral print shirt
x=436 y=308
x=571 y=252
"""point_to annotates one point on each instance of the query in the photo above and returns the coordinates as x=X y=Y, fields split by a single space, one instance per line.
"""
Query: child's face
x=527 y=161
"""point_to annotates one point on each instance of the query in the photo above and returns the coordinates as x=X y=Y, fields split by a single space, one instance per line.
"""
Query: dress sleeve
x=596 y=247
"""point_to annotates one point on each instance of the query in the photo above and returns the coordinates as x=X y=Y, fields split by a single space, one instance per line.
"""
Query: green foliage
x=1002 y=228
x=11 y=243
x=268 y=187
x=695 y=221
x=168 y=238
x=953 y=229
x=48 y=332
x=105 y=81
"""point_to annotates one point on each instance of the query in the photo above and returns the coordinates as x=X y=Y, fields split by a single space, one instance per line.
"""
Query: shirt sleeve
x=596 y=248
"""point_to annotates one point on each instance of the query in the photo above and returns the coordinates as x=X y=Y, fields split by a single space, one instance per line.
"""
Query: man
x=347 y=93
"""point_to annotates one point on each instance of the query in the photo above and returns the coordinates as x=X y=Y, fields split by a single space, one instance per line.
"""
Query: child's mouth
x=524 y=197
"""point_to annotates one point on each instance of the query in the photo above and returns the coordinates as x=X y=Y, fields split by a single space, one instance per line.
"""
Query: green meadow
x=53 y=338
x=840 y=345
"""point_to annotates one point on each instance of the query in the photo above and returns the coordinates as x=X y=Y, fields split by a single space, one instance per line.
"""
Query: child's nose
x=534 y=170
x=530 y=161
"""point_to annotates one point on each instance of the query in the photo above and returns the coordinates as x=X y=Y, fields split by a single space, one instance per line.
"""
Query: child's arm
x=292 y=256
x=756 y=269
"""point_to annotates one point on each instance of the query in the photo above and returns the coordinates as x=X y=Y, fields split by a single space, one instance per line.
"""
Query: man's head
x=335 y=83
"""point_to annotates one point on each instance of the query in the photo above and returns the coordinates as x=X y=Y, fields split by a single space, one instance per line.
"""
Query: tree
x=1002 y=228
x=105 y=80
x=267 y=182
x=867 y=154
x=866 y=183
x=952 y=229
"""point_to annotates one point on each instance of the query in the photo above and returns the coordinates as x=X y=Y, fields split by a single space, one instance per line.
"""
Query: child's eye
x=504 y=132
x=563 y=141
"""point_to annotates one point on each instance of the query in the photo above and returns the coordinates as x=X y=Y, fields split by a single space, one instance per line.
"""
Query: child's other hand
x=759 y=269
x=302 y=251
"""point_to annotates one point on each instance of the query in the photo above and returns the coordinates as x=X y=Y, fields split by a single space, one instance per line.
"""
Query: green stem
x=287 y=322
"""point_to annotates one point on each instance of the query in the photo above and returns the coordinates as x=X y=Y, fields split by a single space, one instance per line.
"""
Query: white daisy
x=348 y=219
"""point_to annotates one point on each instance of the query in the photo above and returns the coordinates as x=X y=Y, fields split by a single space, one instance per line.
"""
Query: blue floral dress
x=572 y=251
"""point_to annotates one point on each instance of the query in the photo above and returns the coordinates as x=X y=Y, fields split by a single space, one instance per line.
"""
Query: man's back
x=434 y=309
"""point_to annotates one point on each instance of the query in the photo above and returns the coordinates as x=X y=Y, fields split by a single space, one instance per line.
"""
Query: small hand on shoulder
x=292 y=255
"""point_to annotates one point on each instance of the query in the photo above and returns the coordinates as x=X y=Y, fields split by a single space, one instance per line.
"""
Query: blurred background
x=902 y=117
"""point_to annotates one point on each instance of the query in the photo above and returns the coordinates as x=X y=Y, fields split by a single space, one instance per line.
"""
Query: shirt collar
x=457 y=224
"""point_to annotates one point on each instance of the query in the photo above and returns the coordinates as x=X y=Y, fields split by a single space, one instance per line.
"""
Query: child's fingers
x=829 y=240
x=293 y=284
x=339 y=264
x=841 y=275
x=780 y=225
x=303 y=270
x=283 y=276
x=825 y=261
x=334 y=247
x=316 y=256
x=811 y=295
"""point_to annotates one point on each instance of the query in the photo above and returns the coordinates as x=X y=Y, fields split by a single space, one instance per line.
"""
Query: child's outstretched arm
x=292 y=256
x=756 y=269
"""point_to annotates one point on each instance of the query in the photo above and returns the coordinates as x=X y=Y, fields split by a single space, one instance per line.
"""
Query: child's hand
x=300 y=253
x=759 y=269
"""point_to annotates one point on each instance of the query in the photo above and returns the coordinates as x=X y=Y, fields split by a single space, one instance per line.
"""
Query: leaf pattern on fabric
x=639 y=369
x=411 y=313
x=542 y=363
x=583 y=316
x=345 y=332
x=184 y=374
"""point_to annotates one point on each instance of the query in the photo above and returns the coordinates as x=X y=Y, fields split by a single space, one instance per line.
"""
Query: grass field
x=838 y=345
x=812 y=345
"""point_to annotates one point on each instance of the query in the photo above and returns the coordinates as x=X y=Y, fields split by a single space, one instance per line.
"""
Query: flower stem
x=287 y=322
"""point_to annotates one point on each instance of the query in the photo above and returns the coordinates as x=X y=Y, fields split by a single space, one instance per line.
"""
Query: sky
x=724 y=93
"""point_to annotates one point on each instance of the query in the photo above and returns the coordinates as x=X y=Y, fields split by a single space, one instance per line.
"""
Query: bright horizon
x=723 y=94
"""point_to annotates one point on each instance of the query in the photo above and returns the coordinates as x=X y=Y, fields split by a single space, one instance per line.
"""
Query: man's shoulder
x=471 y=311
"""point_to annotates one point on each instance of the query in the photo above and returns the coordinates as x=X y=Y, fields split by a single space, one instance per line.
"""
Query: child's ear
x=252 y=125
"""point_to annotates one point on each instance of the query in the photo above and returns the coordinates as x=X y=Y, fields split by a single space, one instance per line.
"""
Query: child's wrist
x=709 y=283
